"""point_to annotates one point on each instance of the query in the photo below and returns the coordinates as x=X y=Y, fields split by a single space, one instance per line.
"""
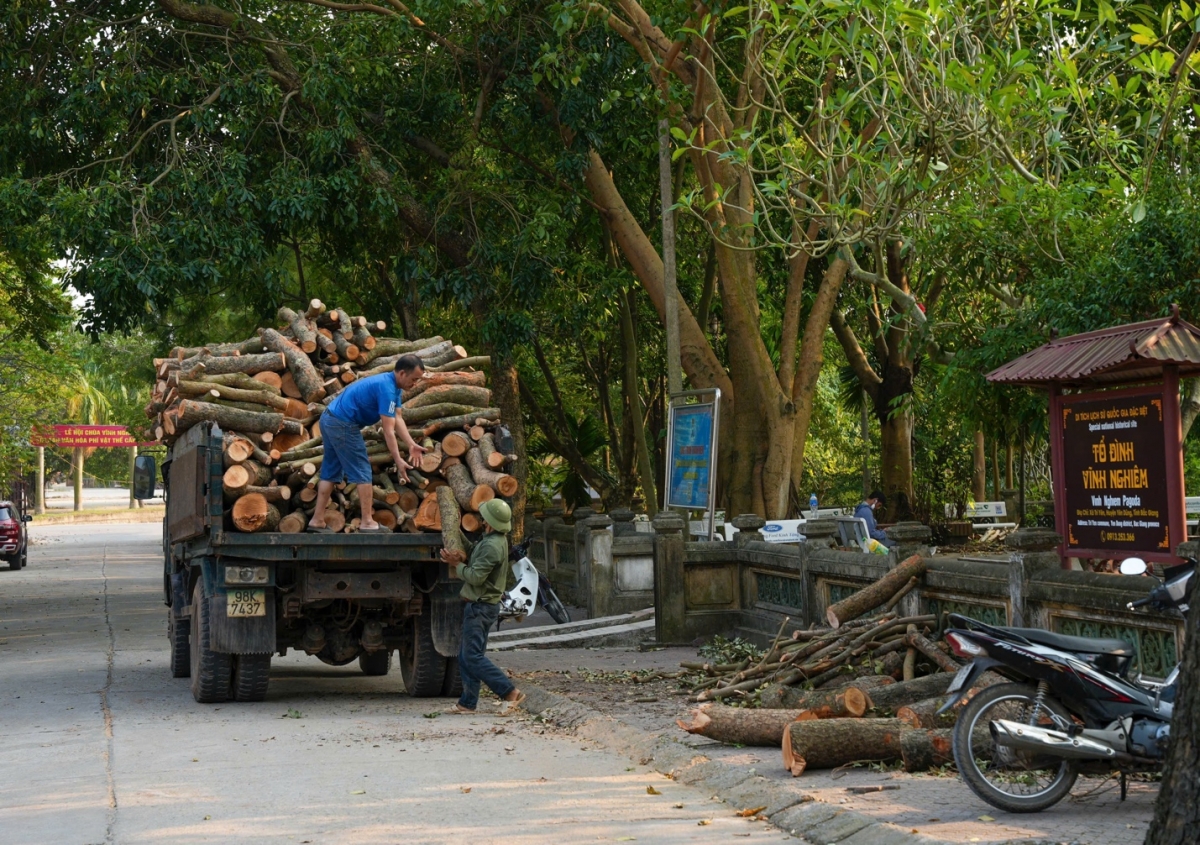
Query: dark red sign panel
x=1115 y=474
x=86 y=436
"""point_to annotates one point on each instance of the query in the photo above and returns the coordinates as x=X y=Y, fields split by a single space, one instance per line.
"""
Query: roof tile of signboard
x=1129 y=353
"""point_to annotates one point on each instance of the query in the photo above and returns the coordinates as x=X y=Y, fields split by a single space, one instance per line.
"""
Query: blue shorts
x=345 y=451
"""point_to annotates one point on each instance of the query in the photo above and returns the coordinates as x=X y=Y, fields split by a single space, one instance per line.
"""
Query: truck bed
x=326 y=547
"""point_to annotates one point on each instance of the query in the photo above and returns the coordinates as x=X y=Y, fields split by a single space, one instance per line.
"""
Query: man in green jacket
x=484 y=577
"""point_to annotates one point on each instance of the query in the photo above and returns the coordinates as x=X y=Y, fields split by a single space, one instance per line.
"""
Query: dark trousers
x=473 y=664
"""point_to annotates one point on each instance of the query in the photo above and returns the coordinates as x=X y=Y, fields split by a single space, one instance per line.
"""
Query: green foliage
x=721 y=649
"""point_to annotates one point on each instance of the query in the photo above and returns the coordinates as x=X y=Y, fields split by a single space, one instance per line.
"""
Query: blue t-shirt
x=363 y=402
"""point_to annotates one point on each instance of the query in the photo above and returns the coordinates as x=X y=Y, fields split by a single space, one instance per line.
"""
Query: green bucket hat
x=498 y=514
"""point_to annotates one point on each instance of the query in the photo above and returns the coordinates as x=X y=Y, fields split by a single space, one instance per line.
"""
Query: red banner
x=85 y=436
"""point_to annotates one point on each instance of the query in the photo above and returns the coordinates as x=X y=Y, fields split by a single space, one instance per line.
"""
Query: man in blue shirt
x=866 y=512
x=364 y=402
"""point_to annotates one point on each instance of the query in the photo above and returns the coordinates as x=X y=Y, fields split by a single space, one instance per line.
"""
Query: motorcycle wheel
x=552 y=604
x=1009 y=779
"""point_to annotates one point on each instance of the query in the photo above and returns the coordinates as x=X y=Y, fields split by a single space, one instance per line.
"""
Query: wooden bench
x=985 y=516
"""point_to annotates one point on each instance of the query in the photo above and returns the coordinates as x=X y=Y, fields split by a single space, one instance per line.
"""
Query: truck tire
x=178 y=635
x=211 y=671
x=452 y=685
x=375 y=663
x=251 y=675
x=423 y=668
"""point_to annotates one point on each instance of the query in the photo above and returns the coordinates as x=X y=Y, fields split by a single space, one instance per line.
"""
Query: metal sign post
x=692 y=432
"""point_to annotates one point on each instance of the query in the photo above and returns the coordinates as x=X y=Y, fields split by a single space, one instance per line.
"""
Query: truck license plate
x=239 y=603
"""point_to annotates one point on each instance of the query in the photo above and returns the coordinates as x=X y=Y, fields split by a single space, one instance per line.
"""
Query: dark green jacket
x=486 y=572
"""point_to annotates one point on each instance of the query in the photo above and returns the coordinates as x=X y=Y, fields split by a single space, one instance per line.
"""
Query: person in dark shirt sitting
x=866 y=512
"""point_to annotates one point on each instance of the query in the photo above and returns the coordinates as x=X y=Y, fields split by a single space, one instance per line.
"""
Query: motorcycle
x=1020 y=745
x=532 y=586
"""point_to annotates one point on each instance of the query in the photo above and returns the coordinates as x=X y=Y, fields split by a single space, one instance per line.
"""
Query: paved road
x=98 y=744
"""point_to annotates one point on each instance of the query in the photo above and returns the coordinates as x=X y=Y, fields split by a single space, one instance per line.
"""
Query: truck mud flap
x=446 y=614
x=244 y=635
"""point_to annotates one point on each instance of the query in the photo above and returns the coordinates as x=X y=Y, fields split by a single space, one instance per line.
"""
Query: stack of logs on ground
x=267 y=395
x=862 y=689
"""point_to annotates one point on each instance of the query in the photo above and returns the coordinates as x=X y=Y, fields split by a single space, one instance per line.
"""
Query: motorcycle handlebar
x=1133 y=605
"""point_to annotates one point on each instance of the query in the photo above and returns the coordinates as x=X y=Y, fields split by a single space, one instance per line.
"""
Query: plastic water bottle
x=812 y=506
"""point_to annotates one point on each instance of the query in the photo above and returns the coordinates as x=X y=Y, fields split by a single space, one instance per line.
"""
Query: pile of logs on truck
x=864 y=688
x=267 y=395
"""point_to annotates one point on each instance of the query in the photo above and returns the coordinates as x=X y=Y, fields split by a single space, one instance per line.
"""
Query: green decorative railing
x=837 y=592
x=990 y=614
x=780 y=591
x=1156 y=649
x=564 y=554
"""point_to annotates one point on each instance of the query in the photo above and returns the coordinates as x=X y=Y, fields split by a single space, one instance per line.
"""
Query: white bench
x=979 y=513
x=1191 y=504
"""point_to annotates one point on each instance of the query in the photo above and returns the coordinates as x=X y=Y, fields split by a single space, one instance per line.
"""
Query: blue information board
x=691 y=460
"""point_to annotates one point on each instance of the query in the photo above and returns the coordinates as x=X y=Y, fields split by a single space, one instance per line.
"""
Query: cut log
x=505 y=485
x=302 y=370
x=315 y=309
x=231 y=419
x=346 y=350
x=286 y=440
x=335 y=520
x=270 y=379
x=271 y=494
x=444 y=357
x=922 y=750
x=739 y=725
x=923 y=645
x=287 y=386
x=866 y=683
x=469 y=494
x=234 y=450
x=493 y=458
x=435 y=427
x=890 y=698
x=301 y=329
x=455 y=444
x=454 y=394
x=850 y=701
x=239 y=380
x=250 y=364
x=464 y=363
x=363 y=339
x=396 y=346
x=253 y=513
x=234 y=394
x=471 y=522
x=294 y=523
x=923 y=714
x=385 y=518
x=408 y=501
x=452 y=538
x=874 y=595
x=828 y=743
x=474 y=379
x=244 y=347
x=429 y=515
x=431 y=461
x=413 y=417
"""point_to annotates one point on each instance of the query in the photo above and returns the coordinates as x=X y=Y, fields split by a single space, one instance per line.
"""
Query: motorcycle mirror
x=1133 y=566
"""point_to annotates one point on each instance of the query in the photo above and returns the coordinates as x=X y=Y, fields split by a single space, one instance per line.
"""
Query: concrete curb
x=799 y=815
x=141 y=515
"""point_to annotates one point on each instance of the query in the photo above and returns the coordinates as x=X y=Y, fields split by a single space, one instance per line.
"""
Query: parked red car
x=14 y=539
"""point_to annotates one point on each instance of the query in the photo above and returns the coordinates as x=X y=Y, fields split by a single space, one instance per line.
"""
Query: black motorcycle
x=1020 y=745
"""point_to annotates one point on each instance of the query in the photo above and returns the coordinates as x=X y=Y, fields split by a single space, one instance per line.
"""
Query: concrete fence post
x=1029 y=550
x=670 y=600
x=600 y=569
x=749 y=529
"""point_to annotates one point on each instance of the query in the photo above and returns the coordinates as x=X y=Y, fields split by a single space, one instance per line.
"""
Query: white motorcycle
x=531 y=589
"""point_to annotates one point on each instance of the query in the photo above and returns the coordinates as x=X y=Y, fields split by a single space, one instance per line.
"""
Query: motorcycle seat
x=1077 y=645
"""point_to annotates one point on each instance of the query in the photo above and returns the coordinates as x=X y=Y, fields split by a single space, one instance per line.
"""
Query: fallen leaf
x=650 y=790
x=704 y=822
x=206 y=818
x=431 y=715
x=986 y=819
x=358 y=792
x=464 y=789
x=510 y=748
x=626 y=838
x=745 y=814
x=679 y=806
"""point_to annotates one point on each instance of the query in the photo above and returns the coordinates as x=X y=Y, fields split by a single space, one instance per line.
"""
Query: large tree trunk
x=895 y=440
x=1177 y=809
x=979 y=469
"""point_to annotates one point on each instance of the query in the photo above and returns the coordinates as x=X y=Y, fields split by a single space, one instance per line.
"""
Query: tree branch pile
x=267 y=395
x=866 y=690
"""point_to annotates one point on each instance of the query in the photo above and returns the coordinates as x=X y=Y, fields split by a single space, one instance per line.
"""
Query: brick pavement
x=940 y=807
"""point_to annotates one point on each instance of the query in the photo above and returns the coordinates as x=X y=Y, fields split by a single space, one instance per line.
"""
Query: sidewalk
x=938 y=807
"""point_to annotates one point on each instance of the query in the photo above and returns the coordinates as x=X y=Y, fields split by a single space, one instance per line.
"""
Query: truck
x=234 y=600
